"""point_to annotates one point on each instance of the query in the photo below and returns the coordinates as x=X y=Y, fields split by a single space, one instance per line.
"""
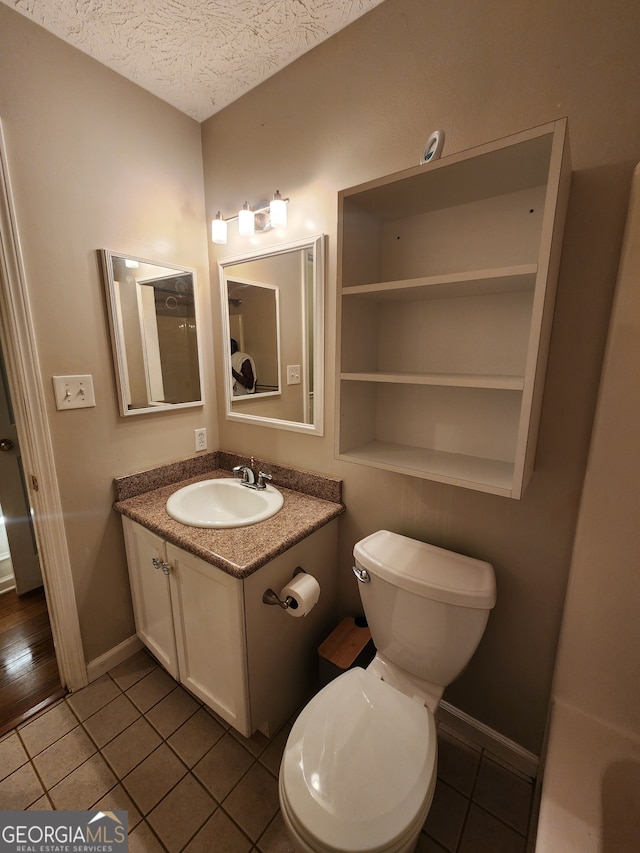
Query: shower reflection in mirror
x=154 y=333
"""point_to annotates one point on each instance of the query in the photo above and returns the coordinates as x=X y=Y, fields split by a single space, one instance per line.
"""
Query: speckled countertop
x=310 y=501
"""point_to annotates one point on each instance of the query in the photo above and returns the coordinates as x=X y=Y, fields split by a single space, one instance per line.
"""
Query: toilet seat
x=358 y=772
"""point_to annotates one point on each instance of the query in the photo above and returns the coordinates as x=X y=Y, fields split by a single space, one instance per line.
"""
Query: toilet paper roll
x=304 y=590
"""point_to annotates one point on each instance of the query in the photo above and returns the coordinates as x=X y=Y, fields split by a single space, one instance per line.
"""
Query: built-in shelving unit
x=447 y=277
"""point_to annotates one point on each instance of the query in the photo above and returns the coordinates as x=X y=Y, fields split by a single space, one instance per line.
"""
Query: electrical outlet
x=200 y=438
x=293 y=374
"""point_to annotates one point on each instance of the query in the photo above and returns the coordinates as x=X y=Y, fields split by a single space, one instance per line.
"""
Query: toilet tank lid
x=427 y=570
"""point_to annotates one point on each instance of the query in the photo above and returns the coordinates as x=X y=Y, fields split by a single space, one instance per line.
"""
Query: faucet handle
x=261 y=479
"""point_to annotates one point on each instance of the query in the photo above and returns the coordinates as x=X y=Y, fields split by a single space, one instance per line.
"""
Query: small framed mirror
x=273 y=325
x=154 y=334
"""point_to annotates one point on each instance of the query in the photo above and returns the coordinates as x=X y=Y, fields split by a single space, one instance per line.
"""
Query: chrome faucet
x=247 y=475
x=248 y=478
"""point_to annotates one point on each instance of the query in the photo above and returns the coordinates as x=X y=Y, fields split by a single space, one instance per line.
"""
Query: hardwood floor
x=29 y=677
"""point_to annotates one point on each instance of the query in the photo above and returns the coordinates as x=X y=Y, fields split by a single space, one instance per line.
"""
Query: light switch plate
x=293 y=374
x=74 y=392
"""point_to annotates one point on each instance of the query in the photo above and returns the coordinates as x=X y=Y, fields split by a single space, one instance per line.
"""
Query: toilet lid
x=359 y=765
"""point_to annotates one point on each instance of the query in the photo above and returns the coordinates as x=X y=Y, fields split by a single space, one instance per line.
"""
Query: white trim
x=475 y=732
x=7 y=582
x=115 y=656
x=27 y=398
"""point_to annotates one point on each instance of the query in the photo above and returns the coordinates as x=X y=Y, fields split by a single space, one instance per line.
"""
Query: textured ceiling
x=198 y=55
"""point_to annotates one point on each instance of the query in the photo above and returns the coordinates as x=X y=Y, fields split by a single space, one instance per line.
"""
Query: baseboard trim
x=478 y=734
x=7 y=583
x=113 y=657
x=7 y=580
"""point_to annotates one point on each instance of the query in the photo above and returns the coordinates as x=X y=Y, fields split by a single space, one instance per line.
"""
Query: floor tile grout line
x=189 y=771
x=163 y=738
x=489 y=756
x=469 y=800
x=523 y=836
x=232 y=789
x=219 y=804
x=97 y=752
x=256 y=844
x=484 y=754
x=34 y=768
x=80 y=724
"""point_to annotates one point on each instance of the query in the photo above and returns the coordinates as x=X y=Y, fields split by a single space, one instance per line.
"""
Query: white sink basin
x=223 y=503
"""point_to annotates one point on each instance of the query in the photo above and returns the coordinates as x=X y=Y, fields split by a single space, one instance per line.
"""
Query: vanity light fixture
x=219 y=229
x=264 y=216
x=278 y=211
x=246 y=221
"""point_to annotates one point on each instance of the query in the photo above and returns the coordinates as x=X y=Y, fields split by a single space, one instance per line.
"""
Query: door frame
x=14 y=501
x=29 y=405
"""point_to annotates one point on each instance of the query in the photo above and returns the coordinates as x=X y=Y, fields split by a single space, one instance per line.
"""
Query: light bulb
x=246 y=221
x=219 y=229
x=278 y=211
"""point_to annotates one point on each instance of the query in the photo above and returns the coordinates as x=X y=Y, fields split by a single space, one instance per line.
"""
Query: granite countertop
x=239 y=551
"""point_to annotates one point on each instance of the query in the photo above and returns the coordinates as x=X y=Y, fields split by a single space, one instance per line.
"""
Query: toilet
x=359 y=768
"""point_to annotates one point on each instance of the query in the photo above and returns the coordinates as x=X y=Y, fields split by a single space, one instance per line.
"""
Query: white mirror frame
x=316 y=245
x=118 y=346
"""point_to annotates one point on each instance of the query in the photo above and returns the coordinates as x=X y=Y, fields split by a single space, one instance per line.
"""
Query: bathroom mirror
x=154 y=334
x=273 y=316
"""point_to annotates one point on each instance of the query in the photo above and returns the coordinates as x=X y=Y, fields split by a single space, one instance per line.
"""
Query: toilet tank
x=427 y=607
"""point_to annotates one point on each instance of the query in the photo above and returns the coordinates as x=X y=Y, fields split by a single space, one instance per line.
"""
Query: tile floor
x=136 y=740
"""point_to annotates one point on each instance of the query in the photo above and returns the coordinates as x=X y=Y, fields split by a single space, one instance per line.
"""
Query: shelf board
x=450 y=380
x=488 y=170
x=486 y=475
x=494 y=280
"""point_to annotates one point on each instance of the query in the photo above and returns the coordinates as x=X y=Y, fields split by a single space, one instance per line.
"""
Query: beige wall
x=601 y=624
x=589 y=799
x=362 y=105
x=96 y=162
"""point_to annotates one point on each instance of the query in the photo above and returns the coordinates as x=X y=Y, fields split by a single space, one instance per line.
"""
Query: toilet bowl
x=359 y=768
x=360 y=763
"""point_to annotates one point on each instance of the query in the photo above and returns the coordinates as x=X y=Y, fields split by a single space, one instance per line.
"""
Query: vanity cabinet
x=249 y=662
x=447 y=277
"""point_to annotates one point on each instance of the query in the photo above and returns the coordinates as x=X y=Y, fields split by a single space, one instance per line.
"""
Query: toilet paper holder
x=270 y=596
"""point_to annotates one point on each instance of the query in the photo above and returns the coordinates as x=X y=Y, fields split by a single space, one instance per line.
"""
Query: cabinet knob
x=158 y=563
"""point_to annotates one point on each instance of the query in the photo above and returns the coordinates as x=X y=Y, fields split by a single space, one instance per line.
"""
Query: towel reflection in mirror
x=243 y=370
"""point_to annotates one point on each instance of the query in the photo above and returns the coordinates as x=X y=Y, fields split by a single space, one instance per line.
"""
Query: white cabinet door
x=146 y=557
x=208 y=613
